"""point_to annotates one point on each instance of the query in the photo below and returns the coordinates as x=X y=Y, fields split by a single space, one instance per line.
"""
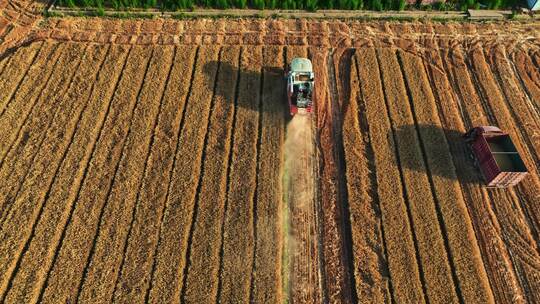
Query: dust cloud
x=301 y=238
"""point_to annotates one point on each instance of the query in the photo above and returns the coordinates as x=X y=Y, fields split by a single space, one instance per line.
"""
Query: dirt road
x=302 y=238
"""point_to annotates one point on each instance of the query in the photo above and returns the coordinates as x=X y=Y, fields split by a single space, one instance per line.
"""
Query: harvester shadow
x=428 y=140
x=261 y=91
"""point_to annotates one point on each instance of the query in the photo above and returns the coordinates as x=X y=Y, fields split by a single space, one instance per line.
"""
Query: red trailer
x=496 y=156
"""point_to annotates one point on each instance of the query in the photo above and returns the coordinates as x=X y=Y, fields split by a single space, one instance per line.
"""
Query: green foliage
x=377 y=5
x=258 y=4
x=310 y=5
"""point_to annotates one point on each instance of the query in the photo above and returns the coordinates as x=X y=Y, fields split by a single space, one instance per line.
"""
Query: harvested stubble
x=449 y=106
x=20 y=159
x=20 y=154
x=462 y=246
x=500 y=272
x=58 y=138
x=266 y=280
x=529 y=76
x=370 y=266
x=67 y=270
x=435 y=266
x=511 y=121
x=102 y=270
x=402 y=261
x=12 y=73
x=24 y=99
x=163 y=151
x=174 y=231
x=238 y=241
x=38 y=257
x=203 y=273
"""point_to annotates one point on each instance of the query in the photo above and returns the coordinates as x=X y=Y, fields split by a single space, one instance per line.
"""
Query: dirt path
x=302 y=239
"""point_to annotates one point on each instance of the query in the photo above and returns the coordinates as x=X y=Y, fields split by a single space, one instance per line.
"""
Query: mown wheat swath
x=13 y=73
x=368 y=249
x=402 y=260
x=162 y=156
x=238 y=243
x=266 y=280
x=429 y=239
x=66 y=272
x=202 y=274
x=469 y=272
x=101 y=269
x=37 y=259
x=178 y=213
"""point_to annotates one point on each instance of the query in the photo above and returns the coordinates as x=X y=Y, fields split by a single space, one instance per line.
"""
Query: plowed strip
x=14 y=72
x=160 y=162
x=26 y=96
x=266 y=280
x=499 y=268
x=470 y=274
x=369 y=256
x=32 y=135
x=117 y=214
x=402 y=260
x=202 y=274
x=429 y=239
x=58 y=137
x=64 y=277
x=174 y=230
x=38 y=257
x=238 y=240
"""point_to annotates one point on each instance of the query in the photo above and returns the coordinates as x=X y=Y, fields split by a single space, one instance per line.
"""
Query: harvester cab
x=300 y=81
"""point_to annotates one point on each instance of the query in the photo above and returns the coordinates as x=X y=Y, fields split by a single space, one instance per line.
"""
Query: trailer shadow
x=429 y=142
x=268 y=84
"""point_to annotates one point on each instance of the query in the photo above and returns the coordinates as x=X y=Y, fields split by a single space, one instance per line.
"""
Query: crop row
x=83 y=222
x=58 y=138
x=368 y=249
x=206 y=239
x=496 y=260
x=398 y=237
x=20 y=158
x=120 y=160
x=469 y=272
x=62 y=192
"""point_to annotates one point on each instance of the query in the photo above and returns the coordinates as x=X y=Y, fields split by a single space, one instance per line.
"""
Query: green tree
x=376 y=5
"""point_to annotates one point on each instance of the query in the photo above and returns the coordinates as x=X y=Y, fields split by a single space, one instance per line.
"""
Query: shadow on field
x=447 y=158
x=269 y=85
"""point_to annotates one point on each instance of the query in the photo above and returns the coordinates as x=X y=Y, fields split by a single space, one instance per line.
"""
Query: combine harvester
x=300 y=80
x=496 y=157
